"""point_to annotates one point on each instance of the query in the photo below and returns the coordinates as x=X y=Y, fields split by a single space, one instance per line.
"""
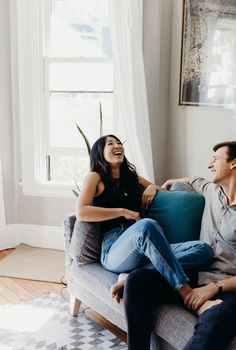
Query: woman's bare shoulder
x=93 y=175
x=93 y=180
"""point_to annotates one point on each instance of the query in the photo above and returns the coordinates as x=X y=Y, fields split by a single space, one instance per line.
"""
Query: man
x=145 y=288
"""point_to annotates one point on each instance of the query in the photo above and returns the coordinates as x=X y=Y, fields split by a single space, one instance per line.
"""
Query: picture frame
x=208 y=54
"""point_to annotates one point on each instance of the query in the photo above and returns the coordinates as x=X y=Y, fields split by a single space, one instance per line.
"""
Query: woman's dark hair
x=128 y=174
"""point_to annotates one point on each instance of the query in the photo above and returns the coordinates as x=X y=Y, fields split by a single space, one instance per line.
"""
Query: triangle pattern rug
x=45 y=323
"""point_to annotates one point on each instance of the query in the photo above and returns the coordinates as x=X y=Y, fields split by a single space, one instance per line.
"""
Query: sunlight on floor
x=24 y=318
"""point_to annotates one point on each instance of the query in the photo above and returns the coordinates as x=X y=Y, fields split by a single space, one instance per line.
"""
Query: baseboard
x=7 y=239
x=38 y=236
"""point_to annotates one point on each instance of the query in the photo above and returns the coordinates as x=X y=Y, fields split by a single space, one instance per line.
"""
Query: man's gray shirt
x=218 y=229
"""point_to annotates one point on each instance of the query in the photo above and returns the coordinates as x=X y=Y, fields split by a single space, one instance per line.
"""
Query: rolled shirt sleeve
x=200 y=185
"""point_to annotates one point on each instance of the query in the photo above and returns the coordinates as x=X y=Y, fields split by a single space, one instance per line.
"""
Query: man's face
x=220 y=167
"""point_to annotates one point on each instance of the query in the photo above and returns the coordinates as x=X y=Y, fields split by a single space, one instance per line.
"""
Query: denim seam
x=176 y=279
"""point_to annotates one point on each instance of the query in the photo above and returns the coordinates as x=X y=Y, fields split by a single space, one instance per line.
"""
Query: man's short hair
x=231 y=148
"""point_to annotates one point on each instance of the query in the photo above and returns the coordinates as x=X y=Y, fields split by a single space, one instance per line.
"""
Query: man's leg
x=144 y=288
x=193 y=255
x=215 y=328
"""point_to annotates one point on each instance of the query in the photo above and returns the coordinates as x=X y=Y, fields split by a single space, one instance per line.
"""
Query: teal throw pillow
x=179 y=213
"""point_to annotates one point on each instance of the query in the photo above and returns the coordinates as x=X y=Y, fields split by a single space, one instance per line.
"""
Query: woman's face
x=113 y=151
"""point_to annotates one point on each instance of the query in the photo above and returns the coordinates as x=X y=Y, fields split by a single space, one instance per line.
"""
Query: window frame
x=31 y=94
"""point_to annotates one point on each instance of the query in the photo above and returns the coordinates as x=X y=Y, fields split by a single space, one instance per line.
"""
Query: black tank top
x=114 y=197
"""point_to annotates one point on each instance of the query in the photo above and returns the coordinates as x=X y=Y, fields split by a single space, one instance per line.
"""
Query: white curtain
x=131 y=119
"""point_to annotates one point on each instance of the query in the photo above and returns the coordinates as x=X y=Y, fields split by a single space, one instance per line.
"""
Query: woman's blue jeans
x=126 y=249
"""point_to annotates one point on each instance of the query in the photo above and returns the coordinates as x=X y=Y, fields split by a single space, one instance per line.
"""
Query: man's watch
x=219 y=286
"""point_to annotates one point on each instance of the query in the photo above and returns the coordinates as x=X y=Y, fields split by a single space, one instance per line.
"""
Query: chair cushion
x=179 y=213
x=85 y=245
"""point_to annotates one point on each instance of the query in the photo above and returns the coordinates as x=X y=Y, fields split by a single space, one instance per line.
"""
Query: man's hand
x=167 y=185
x=198 y=296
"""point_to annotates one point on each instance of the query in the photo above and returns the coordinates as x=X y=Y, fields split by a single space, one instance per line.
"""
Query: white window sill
x=48 y=189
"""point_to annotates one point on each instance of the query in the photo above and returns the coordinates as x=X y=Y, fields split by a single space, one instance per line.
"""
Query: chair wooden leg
x=74 y=305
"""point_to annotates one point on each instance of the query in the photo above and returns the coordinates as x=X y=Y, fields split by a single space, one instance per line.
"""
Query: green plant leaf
x=101 y=118
x=85 y=139
x=77 y=186
x=75 y=193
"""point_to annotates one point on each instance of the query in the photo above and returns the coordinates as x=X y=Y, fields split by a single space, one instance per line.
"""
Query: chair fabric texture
x=86 y=242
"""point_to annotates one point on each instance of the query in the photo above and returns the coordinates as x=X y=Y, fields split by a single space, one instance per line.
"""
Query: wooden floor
x=16 y=290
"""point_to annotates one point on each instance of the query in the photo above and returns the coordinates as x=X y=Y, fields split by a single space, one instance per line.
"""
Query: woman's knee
x=150 y=226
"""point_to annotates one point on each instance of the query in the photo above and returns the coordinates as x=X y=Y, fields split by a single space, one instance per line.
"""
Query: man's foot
x=207 y=305
x=118 y=286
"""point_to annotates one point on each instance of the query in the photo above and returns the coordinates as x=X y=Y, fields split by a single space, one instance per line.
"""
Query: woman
x=114 y=195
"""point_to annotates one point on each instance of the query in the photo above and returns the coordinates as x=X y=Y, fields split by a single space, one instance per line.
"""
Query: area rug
x=33 y=263
x=45 y=323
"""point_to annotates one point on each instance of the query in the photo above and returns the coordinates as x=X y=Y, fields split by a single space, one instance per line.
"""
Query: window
x=65 y=77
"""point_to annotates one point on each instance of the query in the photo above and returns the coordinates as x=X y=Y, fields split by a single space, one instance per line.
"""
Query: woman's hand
x=148 y=195
x=131 y=215
x=198 y=296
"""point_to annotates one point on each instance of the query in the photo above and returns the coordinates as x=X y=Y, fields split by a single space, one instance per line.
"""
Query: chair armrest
x=69 y=223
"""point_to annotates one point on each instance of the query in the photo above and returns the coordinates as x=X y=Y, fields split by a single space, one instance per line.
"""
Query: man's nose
x=210 y=165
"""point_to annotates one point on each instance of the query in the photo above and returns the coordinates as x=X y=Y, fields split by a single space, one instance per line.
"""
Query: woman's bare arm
x=85 y=211
x=149 y=193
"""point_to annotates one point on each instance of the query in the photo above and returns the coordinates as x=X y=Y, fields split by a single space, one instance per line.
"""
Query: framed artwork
x=208 y=54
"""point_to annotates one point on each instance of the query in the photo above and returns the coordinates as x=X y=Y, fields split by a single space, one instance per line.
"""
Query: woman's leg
x=192 y=255
x=142 y=241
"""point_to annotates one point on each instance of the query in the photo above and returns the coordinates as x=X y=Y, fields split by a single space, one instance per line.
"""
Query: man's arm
x=199 y=184
x=167 y=185
x=198 y=296
x=228 y=285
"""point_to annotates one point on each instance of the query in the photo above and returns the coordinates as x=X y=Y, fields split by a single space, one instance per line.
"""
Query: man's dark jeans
x=145 y=288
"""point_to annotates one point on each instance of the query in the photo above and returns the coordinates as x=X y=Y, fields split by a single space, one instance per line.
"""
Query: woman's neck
x=115 y=172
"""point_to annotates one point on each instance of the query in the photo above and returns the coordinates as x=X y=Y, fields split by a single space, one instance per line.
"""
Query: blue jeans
x=126 y=249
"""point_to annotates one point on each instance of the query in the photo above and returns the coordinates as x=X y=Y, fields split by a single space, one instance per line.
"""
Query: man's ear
x=233 y=164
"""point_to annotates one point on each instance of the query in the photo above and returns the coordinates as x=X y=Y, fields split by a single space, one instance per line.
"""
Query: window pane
x=69 y=168
x=80 y=28
x=66 y=109
x=86 y=76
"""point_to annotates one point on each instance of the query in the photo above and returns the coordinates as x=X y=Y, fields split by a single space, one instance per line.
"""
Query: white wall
x=6 y=125
x=192 y=130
